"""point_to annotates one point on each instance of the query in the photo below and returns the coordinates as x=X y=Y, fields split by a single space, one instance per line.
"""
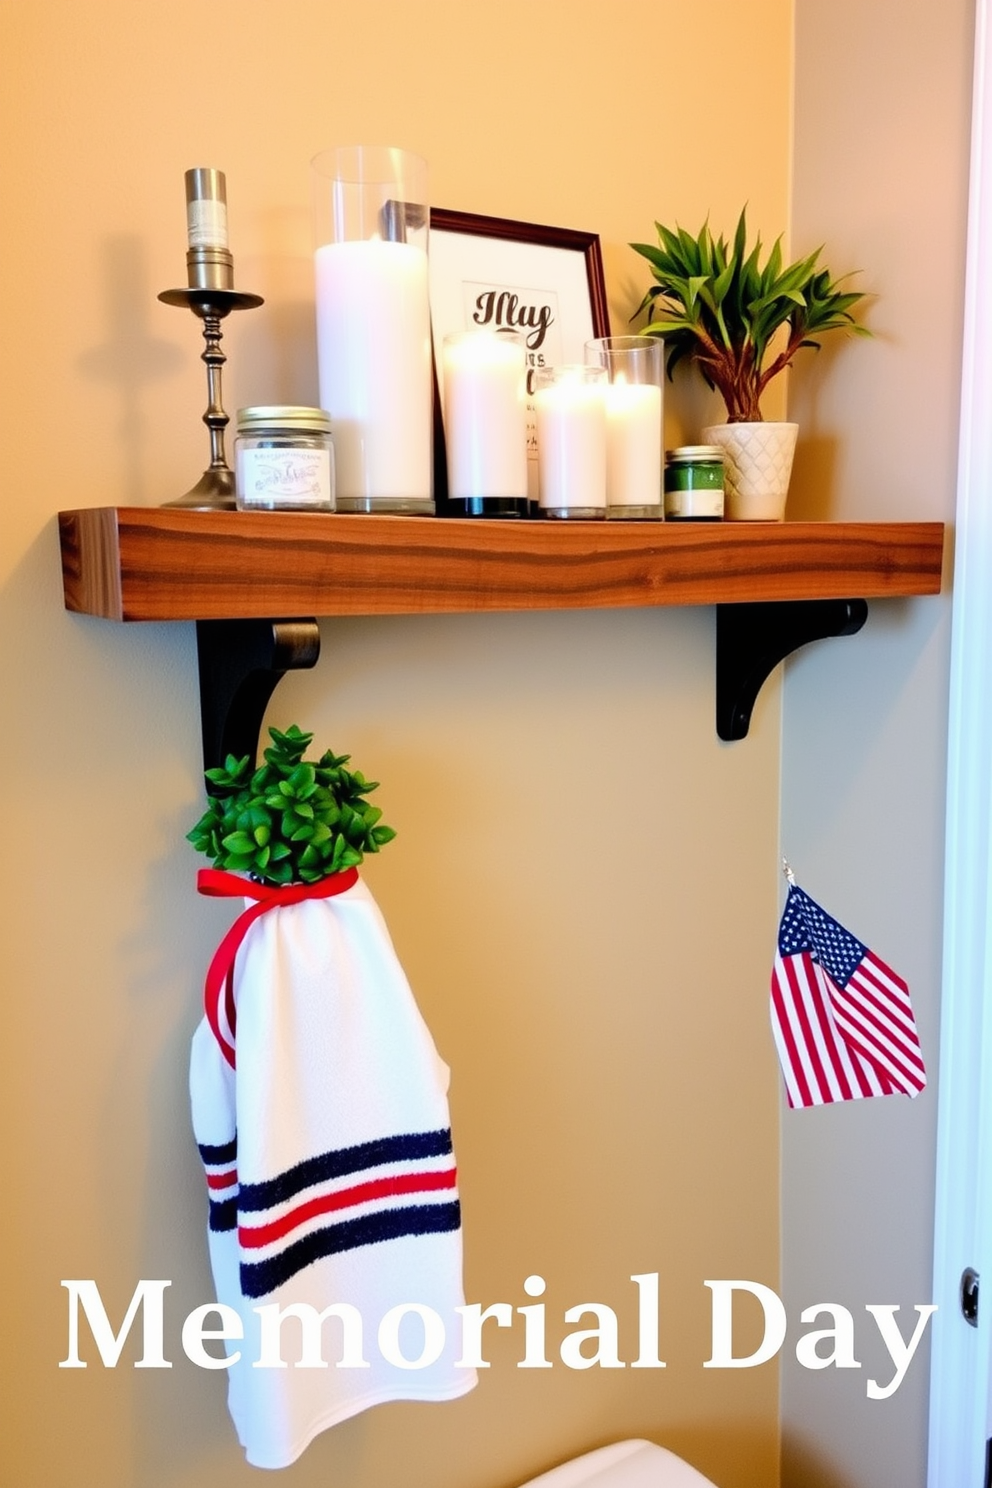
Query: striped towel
x=330 y=1175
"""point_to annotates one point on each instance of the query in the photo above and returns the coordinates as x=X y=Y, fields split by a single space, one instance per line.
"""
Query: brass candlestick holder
x=211 y=296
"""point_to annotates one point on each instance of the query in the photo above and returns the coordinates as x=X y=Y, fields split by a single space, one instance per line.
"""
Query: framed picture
x=545 y=282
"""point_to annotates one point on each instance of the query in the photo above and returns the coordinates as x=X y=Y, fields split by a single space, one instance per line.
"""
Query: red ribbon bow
x=220 y=973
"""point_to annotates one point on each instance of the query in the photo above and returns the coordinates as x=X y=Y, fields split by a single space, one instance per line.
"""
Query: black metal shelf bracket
x=241 y=663
x=751 y=640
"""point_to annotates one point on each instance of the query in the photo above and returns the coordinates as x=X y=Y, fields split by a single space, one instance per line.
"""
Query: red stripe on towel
x=222 y=1180
x=251 y=1237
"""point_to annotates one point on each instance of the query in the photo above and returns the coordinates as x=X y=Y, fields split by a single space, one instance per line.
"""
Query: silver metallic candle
x=209 y=264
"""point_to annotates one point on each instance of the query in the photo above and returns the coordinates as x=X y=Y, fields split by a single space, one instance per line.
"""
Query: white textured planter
x=757 y=464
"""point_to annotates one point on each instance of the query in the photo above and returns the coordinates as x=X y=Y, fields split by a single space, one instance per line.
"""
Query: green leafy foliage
x=715 y=302
x=291 y=820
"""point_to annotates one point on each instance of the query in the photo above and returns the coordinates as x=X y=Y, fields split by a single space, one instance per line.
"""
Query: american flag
x=842 y=1019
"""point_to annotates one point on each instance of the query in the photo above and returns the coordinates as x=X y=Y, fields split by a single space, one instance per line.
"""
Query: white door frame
x=960 y=1369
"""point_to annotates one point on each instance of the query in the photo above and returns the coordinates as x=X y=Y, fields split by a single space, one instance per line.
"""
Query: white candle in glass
x=485 y=415
x=571 y=438
x=633 y=442
x=374 y=358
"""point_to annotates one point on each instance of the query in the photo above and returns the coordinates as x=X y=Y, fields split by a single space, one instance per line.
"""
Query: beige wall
x=583 y=889
x=881 y=160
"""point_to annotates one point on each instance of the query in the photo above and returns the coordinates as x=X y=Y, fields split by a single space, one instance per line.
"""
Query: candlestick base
x=214 y=491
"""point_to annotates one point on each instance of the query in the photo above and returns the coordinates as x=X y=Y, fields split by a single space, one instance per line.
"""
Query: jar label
x=284 y=477
x=698 y=503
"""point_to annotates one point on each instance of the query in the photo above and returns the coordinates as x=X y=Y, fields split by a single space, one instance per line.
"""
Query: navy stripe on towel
x=339 y=1163
x=210 y=1156
x=224 y=1214
x=262 y=1277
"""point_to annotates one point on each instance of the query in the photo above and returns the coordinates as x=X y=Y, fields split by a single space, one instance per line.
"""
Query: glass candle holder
x=571 y=441
x=373 y=325
x=485 y=423
x=635 y=368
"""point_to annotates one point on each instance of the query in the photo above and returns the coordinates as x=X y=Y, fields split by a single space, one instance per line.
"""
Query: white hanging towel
x=329 y=1166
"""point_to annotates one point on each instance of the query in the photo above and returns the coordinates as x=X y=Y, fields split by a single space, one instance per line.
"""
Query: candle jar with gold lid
x=283 y=459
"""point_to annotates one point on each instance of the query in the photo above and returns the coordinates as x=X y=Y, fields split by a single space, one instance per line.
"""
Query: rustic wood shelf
x=154 y=563
x=247 y=578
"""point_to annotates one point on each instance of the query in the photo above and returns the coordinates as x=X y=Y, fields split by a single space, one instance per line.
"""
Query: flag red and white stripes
x=843 y=1021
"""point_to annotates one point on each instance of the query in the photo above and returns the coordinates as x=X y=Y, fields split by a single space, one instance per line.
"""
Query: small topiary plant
x=289 y=821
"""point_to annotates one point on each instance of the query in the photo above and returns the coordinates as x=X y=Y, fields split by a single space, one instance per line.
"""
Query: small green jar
x=694 y=483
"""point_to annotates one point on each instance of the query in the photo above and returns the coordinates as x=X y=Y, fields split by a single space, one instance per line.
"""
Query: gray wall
x=881 y=161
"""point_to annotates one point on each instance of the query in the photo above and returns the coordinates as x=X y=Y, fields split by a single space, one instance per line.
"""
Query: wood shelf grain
x=156 y=563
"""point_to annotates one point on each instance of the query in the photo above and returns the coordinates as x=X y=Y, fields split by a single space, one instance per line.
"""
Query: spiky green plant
x=291 y=820
x=716 y=303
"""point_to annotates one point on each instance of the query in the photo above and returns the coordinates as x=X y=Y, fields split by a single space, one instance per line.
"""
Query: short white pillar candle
x=633 y=444
x=634 y=420
x=485 y=415
x=571 y=440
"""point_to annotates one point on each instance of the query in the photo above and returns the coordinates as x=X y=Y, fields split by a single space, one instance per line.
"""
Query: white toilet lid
x=626 y=1464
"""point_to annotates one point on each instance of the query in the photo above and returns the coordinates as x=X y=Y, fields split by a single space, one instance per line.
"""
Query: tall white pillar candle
x=371 y=229
x=374 y=359
x=571 y=440
x=485 y=415
x=633 y=443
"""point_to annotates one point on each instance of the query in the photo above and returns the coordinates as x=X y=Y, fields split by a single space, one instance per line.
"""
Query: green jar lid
x=686 y=452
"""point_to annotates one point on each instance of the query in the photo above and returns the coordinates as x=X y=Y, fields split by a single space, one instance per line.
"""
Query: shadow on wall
x=802 y=1467
x=814 y=474
x=813 y=478
x=277 y=356
x=131 y=357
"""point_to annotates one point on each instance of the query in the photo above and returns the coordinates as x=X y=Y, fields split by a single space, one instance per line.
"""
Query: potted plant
x=290 y=820
x=742 y=323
